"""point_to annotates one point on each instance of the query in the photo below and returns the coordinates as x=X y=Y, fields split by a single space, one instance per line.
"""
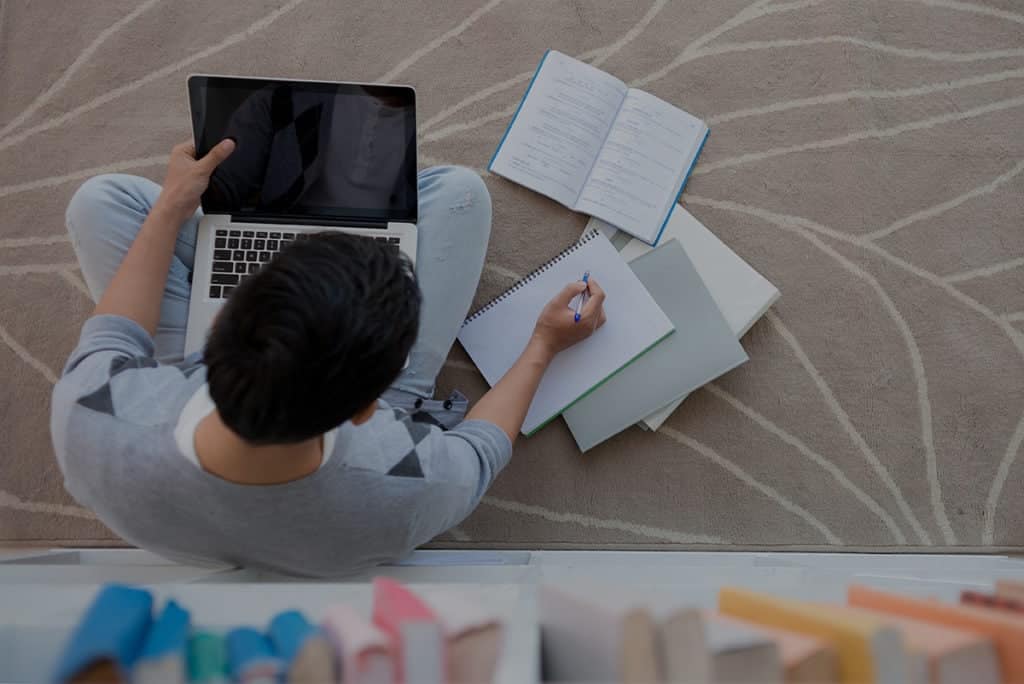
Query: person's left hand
x=187 y=177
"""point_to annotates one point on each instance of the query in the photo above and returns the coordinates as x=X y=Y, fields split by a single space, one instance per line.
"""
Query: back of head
x=314 y=337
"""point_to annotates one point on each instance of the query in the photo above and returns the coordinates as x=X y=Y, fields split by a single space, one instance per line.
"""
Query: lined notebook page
x=495 y=336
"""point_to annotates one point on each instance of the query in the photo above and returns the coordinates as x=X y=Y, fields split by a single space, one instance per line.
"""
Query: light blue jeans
x=454 y=224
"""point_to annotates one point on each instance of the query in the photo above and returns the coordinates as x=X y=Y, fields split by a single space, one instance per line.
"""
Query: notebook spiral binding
x=532 y=275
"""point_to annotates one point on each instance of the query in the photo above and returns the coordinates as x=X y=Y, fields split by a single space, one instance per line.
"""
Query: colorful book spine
x=251 y=658
x=163 y=655
x=207 y=658
x=307 y=654
x=107 y=641
x=868 y=650
x=1005 y=629
x=288 y=633
x=364 y=653
x=414 y=629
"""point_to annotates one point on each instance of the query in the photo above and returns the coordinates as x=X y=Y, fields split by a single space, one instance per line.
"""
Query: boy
x=304 y=439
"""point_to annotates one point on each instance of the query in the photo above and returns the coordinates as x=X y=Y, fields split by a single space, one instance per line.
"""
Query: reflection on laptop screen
x=343 y=151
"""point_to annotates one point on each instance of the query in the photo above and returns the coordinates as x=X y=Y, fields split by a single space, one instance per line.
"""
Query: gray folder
x=702 y=348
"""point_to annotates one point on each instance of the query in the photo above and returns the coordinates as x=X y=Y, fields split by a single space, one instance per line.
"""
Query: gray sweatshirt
x=122 y=428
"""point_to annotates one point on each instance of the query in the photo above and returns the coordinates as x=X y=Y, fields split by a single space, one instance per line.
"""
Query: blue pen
x=582 y=298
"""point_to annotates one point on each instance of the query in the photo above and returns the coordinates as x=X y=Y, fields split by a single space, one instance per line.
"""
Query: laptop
x=310 y=156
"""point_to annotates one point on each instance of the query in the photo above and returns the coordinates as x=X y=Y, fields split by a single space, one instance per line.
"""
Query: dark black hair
x=312 y=338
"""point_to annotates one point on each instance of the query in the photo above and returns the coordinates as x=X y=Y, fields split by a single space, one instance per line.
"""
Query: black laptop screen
x=307 y=149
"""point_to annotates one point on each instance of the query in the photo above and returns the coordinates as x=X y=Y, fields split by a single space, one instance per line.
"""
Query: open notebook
x=585 y=139
x=495 y=335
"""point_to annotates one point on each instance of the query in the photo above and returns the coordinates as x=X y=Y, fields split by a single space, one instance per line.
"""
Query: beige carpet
x=868 y=157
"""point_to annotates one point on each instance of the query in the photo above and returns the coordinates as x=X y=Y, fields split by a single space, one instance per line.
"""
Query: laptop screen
x=308 y=149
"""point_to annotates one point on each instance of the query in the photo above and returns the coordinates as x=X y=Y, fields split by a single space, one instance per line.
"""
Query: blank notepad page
x=496 y=335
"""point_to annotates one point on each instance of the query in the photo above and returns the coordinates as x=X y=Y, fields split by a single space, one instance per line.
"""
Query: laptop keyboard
x=238 y=254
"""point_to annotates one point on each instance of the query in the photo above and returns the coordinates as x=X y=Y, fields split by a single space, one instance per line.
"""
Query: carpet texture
x=867 y=157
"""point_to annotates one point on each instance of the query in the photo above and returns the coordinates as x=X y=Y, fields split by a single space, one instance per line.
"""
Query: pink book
x=365 y=653
x=415 y=632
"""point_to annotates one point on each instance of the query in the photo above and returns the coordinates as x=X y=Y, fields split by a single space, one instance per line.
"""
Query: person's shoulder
x=379 y=444
x=133 y=391
x=103 y=454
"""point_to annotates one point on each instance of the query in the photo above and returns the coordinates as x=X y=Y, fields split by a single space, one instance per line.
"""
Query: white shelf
x=43 y=594
x=37 y=620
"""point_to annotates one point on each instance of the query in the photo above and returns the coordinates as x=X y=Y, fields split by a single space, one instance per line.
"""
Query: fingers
x=568 y=292
x=215 y=156
x=595 y=303
x=187 y=148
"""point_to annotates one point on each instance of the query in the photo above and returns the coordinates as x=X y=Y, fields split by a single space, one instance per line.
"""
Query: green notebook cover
x=598 y=385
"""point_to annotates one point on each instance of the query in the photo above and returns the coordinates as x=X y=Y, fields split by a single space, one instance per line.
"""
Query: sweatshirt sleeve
x=107 y=345
x=110 y=337
x=457 y=467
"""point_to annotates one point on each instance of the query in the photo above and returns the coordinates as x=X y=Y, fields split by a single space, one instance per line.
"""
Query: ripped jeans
x=453 y=228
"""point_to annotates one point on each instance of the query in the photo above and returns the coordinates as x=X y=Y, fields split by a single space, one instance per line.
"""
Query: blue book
x=163 y=655
x=307 y=654
x=251 y=657
x=109 y=637
x=207 y=658
x=588 y=141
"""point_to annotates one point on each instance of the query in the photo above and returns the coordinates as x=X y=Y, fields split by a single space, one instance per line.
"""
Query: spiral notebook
x=495 y=335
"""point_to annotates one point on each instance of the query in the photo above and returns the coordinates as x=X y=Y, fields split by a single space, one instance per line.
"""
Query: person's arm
x=452 y=470
x=138 y=286
x=509 y=400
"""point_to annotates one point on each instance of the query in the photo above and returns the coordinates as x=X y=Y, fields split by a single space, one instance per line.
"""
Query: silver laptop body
x=311 y=156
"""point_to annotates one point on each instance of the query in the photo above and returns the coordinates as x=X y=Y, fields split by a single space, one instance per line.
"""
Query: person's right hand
x=187 y=178
x=557 y=328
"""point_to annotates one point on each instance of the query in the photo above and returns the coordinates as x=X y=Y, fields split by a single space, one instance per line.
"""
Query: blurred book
x=307 y=654
x=682 y=642
x=591 y=637
x=165 y=650
x=947 y=655
x=364 y=653
x=1005 y=629
x=805 y=659
x=593 y=634
x=474 y=638
x=108 y=639
x=207 y=658
x=415 y=630
x=740 y=654
x=1010 y=589
x=869 y=650
x=251 y=657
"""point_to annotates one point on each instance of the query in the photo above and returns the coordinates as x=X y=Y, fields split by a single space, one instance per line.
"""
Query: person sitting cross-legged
x=304 y=438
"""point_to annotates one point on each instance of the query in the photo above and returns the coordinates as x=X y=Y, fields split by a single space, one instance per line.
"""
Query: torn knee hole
x=465 y=201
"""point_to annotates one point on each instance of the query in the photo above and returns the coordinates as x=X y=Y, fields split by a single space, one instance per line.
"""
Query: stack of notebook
x=408 y=639
x=678 y=299
x=593 y=634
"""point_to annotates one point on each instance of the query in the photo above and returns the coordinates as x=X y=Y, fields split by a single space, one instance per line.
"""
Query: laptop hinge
x=309 y=221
